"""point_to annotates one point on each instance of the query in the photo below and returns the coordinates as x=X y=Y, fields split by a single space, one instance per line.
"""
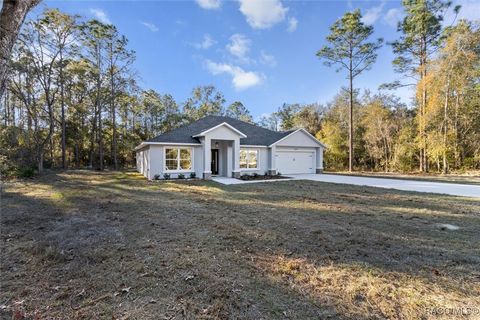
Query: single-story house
x=224 y=146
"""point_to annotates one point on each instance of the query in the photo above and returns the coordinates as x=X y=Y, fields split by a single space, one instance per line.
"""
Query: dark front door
x=214 y=164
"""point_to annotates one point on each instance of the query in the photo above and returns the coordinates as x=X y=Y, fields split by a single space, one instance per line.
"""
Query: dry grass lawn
x=88 y=245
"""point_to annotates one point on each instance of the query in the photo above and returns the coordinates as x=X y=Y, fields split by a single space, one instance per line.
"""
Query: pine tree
x=348 y=47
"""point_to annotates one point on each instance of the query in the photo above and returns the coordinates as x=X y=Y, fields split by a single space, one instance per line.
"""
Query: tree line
x=72 y=98
x=441 y=132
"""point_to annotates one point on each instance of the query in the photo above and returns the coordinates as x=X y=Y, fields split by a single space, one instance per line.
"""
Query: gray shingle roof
x=255 y=135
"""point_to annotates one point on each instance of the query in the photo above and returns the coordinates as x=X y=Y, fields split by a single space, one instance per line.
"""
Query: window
x=178 y=159
x=248 y=159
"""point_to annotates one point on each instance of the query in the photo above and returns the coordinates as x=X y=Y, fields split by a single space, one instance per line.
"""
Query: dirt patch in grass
x=88 y=245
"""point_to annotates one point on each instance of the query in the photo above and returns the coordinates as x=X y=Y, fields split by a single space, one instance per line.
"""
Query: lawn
x=91 y=245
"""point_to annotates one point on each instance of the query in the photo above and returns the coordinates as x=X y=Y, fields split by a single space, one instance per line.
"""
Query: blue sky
x=259 y=52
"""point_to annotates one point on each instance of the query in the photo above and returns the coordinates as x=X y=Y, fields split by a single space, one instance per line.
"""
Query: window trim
x=178 y=159
x=247 y=150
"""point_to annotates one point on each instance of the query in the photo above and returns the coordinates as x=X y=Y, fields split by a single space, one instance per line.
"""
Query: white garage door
x=292 y=162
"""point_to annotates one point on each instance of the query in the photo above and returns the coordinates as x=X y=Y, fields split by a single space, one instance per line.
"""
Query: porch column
x=272 y=169
x=319 y=160
x=229 y=164
x=236 y=158
x=207 y=158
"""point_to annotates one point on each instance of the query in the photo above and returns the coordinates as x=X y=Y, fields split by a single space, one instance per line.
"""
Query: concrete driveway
x=453 y=189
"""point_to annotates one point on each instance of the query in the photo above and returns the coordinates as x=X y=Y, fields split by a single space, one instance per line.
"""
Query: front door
x=214 y=163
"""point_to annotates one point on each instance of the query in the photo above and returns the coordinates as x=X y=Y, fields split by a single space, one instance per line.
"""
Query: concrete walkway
x=453 y=189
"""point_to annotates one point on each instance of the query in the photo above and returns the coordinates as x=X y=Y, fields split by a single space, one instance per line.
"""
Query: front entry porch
x=221 y=158
x=221 y=151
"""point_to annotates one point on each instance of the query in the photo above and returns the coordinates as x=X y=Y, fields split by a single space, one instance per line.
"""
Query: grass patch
x=84 y=244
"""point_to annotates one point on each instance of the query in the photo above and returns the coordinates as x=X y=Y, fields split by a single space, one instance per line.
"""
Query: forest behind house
x=73 y=101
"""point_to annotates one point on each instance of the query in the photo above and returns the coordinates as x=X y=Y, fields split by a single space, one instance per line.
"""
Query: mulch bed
x=261 y=177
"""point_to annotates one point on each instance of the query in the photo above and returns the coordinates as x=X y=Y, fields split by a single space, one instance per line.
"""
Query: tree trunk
x=11 y=19
x=424 y=133
x=77 y=155
x=114 y=114
x=62 y=101
x=52 y=151
x=445 y=128
x=40 y=161
x=99 y=108
x=7 y=109
x=422 y=124
x=114 y=138
x=423 y=105
x=350 y=123
x=100 y=138
x=92 y=136
x=455 y=128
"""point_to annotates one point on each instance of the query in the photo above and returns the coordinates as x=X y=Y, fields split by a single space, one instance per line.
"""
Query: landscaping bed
x=252 y=177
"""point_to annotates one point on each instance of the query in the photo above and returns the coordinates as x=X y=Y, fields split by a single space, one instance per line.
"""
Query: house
x=224 y=146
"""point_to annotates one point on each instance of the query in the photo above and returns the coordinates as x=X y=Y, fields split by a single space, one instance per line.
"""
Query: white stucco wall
x=222 y=132
x=156 y=161
x=298 y=139
x=198 y=160
x=151 y=161
x=143 y=163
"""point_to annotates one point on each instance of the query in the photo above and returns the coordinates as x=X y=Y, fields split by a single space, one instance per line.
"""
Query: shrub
x=25 y=172
x=156 y=177
x=471 y=163
x=279 y=173
x=181 y=176
x=255 y=174
x=166 y=176
x=265 y=173
x=193 y=175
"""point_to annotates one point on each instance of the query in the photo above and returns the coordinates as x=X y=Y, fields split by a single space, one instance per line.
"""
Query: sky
x=259 y=52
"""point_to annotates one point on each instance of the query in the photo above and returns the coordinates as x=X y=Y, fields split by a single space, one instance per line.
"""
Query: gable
x=299 y=138
x=223 y=131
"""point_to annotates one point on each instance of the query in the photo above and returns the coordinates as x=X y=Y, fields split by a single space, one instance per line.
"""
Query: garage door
x=294 y=162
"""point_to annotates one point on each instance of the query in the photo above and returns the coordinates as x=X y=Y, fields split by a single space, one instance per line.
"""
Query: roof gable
x=299 y=137
x=223 y=124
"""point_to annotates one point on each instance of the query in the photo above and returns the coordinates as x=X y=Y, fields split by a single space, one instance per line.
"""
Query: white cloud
x=100 y=15
x=150 y=26
x=267 y=59
x=372 y=14
x=209 y=4
x=263 y=14
x=239 y=46
x=393 y=16
x=292 y=24
x=241 y=79
x=206 y=43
